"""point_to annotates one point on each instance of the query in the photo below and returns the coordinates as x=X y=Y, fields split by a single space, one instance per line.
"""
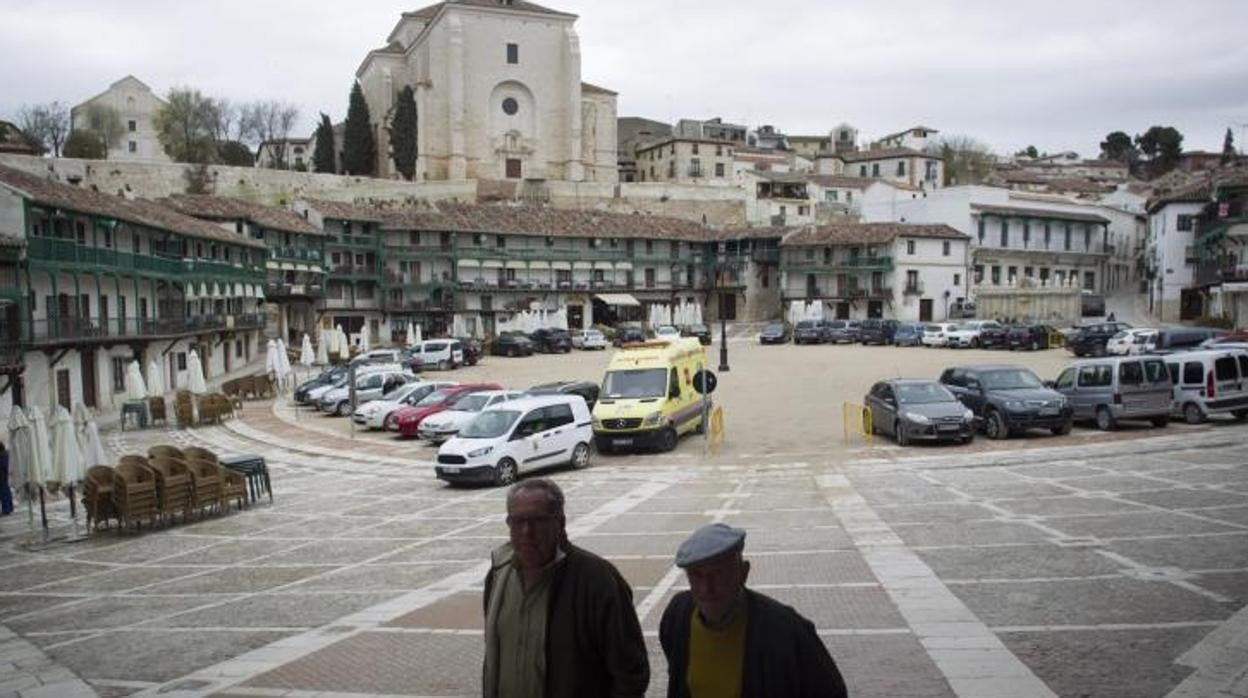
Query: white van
x=1209 y=382
x=518 y=436
x=443 y=353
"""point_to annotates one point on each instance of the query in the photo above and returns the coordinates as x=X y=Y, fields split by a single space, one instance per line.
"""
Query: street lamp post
x=720 y=268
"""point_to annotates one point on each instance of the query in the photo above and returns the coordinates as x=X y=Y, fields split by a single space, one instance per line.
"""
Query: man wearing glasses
x=559 y=620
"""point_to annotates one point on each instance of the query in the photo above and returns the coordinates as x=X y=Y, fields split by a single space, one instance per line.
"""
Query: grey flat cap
x=709 y=541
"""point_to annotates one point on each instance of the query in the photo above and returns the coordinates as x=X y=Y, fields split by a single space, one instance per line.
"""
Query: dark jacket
x=784 y=657
x=594 y=645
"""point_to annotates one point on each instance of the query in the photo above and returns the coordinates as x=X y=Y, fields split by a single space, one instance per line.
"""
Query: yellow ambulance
x=647 y=396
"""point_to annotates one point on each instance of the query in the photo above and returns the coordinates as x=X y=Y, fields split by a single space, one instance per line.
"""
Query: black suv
x=876 y=331
x=808 y=332
x=1030 y=337
x=550 y=340
x=702 y=332
x=994 y=337
x=1091 y=339
x=585 y=389
x=628 y=335
x=1008 y=400
x=774 y=333
x=512 y=344
x=471 y=349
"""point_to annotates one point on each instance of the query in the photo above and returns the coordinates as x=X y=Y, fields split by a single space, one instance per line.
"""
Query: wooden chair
x=166 y=452
x=207 y=411
x=206 y=484
x=173 y=486
x=233 y=488
x=197 y=453
x=223 y=406
x=97 y=496
x=156 y=410
x=134 y=494
x=185 y=414
x=132 y=459
x=264 y=386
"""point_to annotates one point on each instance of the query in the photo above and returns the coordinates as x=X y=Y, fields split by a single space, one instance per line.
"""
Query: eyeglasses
x=522 y=521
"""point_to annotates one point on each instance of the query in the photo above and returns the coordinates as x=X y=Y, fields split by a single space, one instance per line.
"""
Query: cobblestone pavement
x=1090 y=569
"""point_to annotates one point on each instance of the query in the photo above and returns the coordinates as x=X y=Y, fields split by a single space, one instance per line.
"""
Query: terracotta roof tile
x=1039 y=213
x=880 y=154
x=534 y=220
x=140 y=211
x=343 y=211
x=842 y=182
x=866 y=234
x=221 y=208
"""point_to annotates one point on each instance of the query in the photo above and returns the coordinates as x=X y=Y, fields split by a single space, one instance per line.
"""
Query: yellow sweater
x=716 y=657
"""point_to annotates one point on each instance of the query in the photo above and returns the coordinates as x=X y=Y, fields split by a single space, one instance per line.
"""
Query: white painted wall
x=1167 y=248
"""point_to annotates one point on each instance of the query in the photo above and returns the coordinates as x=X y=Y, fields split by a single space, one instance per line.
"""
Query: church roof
x=432 y=10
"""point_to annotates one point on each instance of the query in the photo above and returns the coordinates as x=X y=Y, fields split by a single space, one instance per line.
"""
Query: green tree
x=187 y=126
x=967 y=161
x=1118 y=146
x=1163 y=145
x=403 y=133
x=235 y=153
x=86 y=144
x=106 y=122
x=323 y=150
x=1228 y=148
x=359 y=148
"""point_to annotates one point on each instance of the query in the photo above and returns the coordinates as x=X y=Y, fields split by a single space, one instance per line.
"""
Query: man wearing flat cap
x=723 y=640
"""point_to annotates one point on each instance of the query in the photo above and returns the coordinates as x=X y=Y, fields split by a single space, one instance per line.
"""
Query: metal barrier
x=1057 y=340
x=856 y=419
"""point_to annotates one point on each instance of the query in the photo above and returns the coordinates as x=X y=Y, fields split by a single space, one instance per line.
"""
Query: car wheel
x=899 y=430
x=1099 y=350
x=388 y=423
x=975 y=342
x=342 y=408
x=667 y=440
x=1162 y=421
x=1239 y=415
x=511 y=352
x=580 y=456
x=994 y=426
x=505 y=472
x=1065 y=428
x=1192 y=414
x=1035 y=345
x=444 y=365
x=1104 y=420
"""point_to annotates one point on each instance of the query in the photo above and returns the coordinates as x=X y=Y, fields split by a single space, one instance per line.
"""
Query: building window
x=131 y=126
x=957 y=280
x=695 y=148
x=719 y=169
x=996 y=275
x=909 y=246
x=979 y=273
x=901 y=168
x=119 y=374
x=1005 y=233
x=831 y=195
x=513 y=168
x=1087 y=238
x=132 y=147
x=1067 y=245
x=1048 y=236
x=875 y=169
x=849 y=197
x=862 y=170
x=181 y=361
x=1184 y=222
x=649 y=246
x=803 y=210
x=500 y=241
x=981 y=231
x=1089 y=281
x=649 y=278
x=510 y=106
x=945 y=247
x=513 y=54
x=1026 y=234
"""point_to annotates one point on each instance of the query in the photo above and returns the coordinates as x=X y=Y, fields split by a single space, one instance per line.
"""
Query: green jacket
x=594 y=646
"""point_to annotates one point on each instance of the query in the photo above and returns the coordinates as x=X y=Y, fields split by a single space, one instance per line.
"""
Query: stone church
x=498 y=94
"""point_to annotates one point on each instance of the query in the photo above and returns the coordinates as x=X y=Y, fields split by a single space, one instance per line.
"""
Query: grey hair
x=554 y=495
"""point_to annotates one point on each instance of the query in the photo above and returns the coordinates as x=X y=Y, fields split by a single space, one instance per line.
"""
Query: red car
x=407 y=420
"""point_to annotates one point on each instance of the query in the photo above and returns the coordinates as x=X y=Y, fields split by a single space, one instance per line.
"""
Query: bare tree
x=46 y=123
x=268 y=121
x=106 y=123
x=967 y=161
x=187 y=124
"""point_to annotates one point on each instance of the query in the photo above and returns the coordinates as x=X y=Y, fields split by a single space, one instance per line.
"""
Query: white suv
x=967 y=333
x=518 y=436
x=445 y=354
x=589 y=339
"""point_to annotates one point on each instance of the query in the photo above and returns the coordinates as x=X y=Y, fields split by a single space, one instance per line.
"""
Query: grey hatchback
x=914 y=410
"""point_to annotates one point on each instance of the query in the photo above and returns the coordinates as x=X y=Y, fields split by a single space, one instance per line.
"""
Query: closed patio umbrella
x=41 y=464
x=155 y=383
x=306 y=356
x=88 y=433
x=364 y=339
x=322 y=349
x=21 y=449
x=344 y=347
x=270 y=358
x=136 y=388
x=411 y=334
x=67 y=462
x=195 y=374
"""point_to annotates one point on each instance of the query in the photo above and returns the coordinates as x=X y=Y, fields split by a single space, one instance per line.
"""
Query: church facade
x=498 y=94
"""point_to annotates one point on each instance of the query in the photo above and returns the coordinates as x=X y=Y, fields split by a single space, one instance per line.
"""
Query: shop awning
x=539 y=264
x=469 y=263
x=560 y=265
x=624 y=265
x=515 y=264
x=582 y=265
x=492 y=264
x=617 y=299
x=603 y=265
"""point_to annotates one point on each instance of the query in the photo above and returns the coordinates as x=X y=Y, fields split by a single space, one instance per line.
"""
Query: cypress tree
x=323 y=151
x=403 y=133
x=359 y=148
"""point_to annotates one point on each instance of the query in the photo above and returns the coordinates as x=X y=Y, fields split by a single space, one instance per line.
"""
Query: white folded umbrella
x=41 y=464
x=322 y=348
x=195 y=377
x=136 y=388
x=88 y=433
x=155 y=383
x=21 y=448
x=306 y=356
x=67 y=466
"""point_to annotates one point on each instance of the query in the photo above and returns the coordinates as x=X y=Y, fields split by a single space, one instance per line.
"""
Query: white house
x=1170 y=255
x=135 y=107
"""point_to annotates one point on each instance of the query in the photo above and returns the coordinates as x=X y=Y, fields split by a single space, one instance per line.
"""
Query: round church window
x=510 y=106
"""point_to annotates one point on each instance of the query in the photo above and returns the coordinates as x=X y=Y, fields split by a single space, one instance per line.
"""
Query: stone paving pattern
x=1103 y=570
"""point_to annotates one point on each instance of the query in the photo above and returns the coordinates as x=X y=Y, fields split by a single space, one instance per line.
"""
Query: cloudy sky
x=1056 y=74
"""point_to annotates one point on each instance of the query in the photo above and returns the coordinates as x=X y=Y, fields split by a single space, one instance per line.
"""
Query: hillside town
x=480 y=188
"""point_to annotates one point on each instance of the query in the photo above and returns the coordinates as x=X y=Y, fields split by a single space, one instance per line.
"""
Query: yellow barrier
x=717 y=427
x=856 y=419
x=1056 y=340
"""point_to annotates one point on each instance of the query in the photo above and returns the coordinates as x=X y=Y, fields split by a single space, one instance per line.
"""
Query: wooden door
x=728 y=306
x=925 y=310
x=88 y=377
x=62 y=388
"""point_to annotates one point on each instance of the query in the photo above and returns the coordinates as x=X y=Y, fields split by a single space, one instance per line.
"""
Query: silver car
x=1108 y=390
x=371 y=386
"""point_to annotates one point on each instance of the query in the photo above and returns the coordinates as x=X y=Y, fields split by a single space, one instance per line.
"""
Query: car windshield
x=667 y=329
x=774 y=328
x=922 y=393
x=697 y=328
x=637 y=383
x=1010 y=379
x=435 y=347
x=415 y=395
x=593 y=334
x=472 y=402
x=435 y=398
x=489 y=425
x=806 y=324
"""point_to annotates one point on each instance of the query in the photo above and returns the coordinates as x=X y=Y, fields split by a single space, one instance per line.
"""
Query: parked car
x=326 y=378
x=1106 y=391
x=936 y=335
x=1008 y=400
x=312 y=396
x=774 y=333
x=550 y=340
x=512 y=344
x=369 y=386
x=808 y=332
x=1032 y=337
x=908 y=334
x=1209 y=382
x=876 y=331
x=471 y=349
x=995 y=337
x=912 y=410
x=377 y=414
x=443 y=425
x=406 y=421
x=381 y=356
x=966 y=334
x=666 y=332
x=445 y=354
x=586 y=389
x=1129 y=342
x=1167 y=341
x=700 y=331
x=847 y=332
x=1091 y=339
x=589 y=339
x=628 y=335
x=518 y=436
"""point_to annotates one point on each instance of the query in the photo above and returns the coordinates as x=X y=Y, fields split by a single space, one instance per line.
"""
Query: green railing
x=543 y=253
x=97 y=259
x=352 y=240
x=839 y=265
x=220 y=271
x=295 y=254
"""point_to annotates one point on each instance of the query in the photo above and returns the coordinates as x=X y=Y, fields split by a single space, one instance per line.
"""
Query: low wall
x=1062 y=305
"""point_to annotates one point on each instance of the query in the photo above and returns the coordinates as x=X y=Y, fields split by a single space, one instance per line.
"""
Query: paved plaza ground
x=1078 y=566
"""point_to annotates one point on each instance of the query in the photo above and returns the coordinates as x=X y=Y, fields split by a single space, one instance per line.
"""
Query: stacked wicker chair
x=233 y=484
x=97 y=495
x=156 y=410
x=134 y=492
x=173 y=486
x=206 y=487
x=184 y=408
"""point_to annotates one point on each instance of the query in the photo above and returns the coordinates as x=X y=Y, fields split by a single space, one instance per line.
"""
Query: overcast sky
x=1056 y=74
